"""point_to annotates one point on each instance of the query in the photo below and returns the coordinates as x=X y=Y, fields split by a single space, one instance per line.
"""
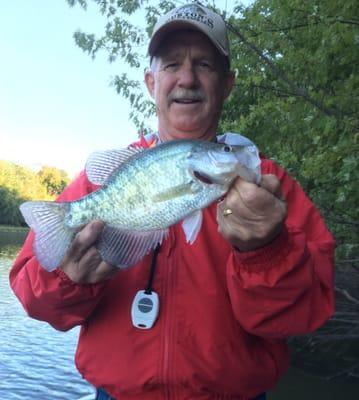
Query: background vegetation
x=296 y=93
x=19 y=184
x=296 y=96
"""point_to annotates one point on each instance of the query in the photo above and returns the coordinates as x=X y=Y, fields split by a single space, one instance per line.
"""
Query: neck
x=167 y=135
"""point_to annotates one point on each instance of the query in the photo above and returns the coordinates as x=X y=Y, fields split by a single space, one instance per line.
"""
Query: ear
x=150 y=82
x=229 y=83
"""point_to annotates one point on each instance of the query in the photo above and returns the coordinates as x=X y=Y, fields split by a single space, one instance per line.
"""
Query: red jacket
x=224 y=315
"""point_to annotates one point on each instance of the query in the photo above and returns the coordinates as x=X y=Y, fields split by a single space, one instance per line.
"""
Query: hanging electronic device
x=145 y=309
x=145 y=305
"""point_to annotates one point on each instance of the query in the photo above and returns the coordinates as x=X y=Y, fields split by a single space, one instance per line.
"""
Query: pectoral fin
x=174 y=192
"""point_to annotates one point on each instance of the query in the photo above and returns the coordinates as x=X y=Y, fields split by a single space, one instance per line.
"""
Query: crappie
x=143 y=193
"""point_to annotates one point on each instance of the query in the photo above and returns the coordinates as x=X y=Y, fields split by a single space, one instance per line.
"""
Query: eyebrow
x=177 y=54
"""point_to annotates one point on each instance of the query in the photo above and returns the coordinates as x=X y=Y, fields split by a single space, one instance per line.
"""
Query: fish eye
x=227 y=148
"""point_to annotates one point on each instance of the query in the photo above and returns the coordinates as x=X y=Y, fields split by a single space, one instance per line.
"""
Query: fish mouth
x=203 y=178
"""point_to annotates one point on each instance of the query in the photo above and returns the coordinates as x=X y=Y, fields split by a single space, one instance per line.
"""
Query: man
x=259 y=271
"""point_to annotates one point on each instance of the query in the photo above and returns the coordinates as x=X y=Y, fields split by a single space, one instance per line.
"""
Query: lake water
x=36 y=361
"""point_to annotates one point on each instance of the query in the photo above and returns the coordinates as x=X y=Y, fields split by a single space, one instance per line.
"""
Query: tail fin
x=52 y=236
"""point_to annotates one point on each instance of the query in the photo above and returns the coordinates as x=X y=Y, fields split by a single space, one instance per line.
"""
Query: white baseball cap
x=192 y=16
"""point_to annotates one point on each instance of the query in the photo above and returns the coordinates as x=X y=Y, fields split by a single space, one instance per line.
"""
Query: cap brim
x=172 y=26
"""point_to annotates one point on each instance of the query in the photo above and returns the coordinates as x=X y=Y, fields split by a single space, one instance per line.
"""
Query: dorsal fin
x=101 y=164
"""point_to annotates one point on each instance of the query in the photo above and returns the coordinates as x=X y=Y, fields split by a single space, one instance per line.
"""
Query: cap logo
x=192 y=13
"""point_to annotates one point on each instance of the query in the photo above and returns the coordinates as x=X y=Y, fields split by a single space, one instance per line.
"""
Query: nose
x=187 y=76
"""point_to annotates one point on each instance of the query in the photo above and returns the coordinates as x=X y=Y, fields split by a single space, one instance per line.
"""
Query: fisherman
x=259 y=271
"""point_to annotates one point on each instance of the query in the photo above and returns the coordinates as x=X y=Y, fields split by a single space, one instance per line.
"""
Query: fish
x=141 y=194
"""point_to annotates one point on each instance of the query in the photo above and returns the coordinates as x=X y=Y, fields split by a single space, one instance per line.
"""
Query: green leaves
x=303 y=109
x=296 y=92
x=18 y=184
x=53 y=179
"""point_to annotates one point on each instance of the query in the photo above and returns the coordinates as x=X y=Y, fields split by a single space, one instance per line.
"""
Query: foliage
x=53 y=179
x=19 y=184
x=298 y=99
x=296 y=93
x=9 y=207
x=124 y=38
x=296 y=96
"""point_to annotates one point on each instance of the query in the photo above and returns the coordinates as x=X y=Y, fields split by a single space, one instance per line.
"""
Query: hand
x=258 y=213
x=82 y=262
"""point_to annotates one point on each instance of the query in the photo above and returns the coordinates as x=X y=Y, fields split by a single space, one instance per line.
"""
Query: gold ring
x=227 y=211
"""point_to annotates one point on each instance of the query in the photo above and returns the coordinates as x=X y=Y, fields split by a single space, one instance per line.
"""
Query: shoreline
x=13 y=235
x=11 y=228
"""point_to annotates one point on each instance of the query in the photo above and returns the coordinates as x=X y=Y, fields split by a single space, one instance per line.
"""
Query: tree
x=296 y=96
x=9 y=207
x=53 y=179
x=125 y=38
x=296 y=93
x=21 y=180
x=19 y=184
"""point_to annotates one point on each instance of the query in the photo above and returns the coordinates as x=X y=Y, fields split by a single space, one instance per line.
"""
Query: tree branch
x=347 y=295
x=305 y=25
x=279 y=91
x=299 y=91
x=285 y=29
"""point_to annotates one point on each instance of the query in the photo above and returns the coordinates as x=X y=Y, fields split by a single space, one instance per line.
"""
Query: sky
x=56 y=103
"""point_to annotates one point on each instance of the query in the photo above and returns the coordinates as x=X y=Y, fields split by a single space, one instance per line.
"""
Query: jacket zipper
x=168 y=323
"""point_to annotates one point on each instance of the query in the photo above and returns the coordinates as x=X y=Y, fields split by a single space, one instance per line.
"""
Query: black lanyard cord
x=152 y=269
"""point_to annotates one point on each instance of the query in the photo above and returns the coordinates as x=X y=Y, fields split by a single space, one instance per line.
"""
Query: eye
x=171 y=65
x=227 y=148
x=205 y=65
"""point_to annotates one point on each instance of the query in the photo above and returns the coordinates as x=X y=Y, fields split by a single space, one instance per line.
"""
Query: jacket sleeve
x=52 y=296
x=287 y=287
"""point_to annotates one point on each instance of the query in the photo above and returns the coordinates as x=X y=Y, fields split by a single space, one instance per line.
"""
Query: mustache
x=186 y=94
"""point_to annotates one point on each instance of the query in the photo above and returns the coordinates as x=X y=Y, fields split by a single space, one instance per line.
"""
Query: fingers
x=94 y=268
x=84 y=239
x=104 y=271
x=250 y=216
x=83 y=263
x=272 y=184
x=253 y=198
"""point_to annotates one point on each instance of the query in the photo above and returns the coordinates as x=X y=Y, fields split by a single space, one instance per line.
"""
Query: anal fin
x=125 y=248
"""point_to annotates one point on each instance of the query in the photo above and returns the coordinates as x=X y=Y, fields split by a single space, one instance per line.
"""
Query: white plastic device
x=144 y=310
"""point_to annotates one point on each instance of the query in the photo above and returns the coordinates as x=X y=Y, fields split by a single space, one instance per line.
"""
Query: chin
x=189 y=133
x=200 y=135
x=184 y=128
x=191 y=127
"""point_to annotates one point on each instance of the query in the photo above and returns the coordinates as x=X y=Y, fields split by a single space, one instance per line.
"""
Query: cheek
x=161 y=94
x=214 y=101
x=160 y=98
x=214 y=90
x=217 y=95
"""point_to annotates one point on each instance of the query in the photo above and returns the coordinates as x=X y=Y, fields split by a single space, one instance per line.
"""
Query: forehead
x=180 y=41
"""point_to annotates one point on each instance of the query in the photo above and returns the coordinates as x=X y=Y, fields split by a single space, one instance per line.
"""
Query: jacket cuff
x=66 y=281
x=265 y=257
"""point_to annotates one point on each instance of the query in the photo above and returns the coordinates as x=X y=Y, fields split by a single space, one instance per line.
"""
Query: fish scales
x=143 y=193
x=129 y=199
